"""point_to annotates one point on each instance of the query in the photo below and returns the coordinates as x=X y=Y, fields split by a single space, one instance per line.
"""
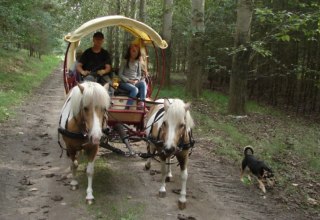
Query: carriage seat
x=121 y=92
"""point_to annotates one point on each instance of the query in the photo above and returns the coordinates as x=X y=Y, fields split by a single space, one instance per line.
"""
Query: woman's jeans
x=133 y=90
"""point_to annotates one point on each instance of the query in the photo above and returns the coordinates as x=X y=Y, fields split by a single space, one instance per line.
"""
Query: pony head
x=89 y=104
x=176 y=124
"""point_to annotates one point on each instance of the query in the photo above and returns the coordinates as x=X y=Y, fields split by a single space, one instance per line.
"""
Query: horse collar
x=73 y=135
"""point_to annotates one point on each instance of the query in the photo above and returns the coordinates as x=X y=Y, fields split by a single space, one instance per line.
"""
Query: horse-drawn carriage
x=91 y=118
x=147 y=36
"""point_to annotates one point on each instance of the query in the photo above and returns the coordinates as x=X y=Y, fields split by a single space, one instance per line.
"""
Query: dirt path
x=214 y=191
x=33 y=184
x=30 y=167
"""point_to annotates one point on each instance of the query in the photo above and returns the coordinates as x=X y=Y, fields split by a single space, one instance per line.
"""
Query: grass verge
x=19 y=74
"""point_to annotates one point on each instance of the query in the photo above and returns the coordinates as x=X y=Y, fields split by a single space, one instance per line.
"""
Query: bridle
x=82 y=125
x=159 y=142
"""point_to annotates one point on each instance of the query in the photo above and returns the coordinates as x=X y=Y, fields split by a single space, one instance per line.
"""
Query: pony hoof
x=147 y=167
x=74 y=187
x=182 y=205
x=89 y=201
x=130 y=154
x=162 y=194
x=168 y=179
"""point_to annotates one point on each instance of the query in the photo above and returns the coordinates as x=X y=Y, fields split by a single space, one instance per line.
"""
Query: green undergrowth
x=270 y=131
x=289 y=144
x=19 y=75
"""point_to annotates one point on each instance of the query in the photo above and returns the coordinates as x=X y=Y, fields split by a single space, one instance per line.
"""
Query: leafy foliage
x=285 y=37
x=29 y=24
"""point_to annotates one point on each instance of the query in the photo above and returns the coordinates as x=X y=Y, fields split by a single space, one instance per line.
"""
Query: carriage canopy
x=136 y=28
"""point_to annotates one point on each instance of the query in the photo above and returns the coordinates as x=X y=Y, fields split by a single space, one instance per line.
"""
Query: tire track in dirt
x=239 y=201
x=214 y=191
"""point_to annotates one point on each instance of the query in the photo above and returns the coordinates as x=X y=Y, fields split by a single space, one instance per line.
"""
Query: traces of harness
x=69 y=134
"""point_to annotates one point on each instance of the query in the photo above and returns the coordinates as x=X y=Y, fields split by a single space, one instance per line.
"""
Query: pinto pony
x=81 y=121
x=169 y=131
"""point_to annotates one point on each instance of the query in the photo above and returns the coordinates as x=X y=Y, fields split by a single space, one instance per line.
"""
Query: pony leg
x=183 y=159
x=90 y=172
x=74 y=166
x=183 y=193
x=169 y=173
x=151 y=150
x=162 y=191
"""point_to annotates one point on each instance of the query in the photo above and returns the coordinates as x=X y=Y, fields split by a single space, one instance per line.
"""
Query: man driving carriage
x=95 y=62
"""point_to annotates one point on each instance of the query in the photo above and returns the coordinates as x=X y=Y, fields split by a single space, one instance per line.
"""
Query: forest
x=276 y=60
x=250 y=69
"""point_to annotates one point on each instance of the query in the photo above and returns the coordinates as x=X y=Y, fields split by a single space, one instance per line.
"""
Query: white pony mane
x=177 y=110
x=93 y=93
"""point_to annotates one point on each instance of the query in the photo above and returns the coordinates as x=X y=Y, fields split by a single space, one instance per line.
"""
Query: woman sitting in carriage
x=132 y=79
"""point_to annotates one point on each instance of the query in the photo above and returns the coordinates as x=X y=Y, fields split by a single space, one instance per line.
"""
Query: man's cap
x=98 y=35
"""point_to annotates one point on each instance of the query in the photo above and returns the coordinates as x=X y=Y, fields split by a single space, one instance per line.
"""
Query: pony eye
x=86 y=109
x=181 y=126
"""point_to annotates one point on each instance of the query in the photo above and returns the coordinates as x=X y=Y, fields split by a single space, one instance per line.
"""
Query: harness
x=83 y=135
x=73 y=135
x=186 y=146
x=69 y=134
x=159 y=143
x=156 y=141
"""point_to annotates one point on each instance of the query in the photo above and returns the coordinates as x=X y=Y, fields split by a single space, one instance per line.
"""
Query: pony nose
x=168 y=151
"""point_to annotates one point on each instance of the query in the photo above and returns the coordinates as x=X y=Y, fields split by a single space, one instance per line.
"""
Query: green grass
x=218 y=101
x=272 y=132
x=19 y=74
x=173 y=92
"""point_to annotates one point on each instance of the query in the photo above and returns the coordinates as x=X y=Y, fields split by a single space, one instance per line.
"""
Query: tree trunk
x=240 y=65
x=142 y=12
x=117 y=36
x=110 y=40
x=166 y=33
x=133 y=11
x=195 y=64
x=125 y=35
x=184 y=60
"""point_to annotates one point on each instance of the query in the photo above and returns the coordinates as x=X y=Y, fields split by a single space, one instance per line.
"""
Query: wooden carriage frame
x=117 y=113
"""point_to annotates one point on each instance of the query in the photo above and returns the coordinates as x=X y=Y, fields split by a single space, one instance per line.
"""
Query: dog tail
x=246 y=149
